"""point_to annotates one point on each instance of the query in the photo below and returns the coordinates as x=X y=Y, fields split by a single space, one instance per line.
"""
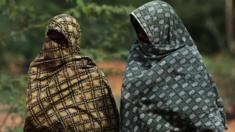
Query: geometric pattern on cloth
x=67 y=92
x=166 y=86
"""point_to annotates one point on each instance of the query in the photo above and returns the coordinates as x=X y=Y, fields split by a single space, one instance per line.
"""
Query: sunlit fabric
x=66 y=92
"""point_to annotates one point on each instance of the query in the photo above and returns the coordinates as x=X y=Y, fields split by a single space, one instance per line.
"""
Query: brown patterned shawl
x=66 y=92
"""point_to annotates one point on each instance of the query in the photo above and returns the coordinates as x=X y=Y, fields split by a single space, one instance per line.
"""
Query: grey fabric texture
x=166 y=86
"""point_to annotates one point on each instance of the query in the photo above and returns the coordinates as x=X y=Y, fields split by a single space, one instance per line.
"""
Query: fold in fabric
x=166 y=86
x=66 y=91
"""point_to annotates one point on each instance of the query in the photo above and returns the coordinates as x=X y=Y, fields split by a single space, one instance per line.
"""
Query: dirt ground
x=7 y=119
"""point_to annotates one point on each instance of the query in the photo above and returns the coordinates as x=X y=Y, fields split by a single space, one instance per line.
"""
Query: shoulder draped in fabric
x=66 y=91
x=166 y=86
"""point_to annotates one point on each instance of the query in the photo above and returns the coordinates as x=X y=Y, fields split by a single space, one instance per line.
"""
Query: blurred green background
x=106 y=36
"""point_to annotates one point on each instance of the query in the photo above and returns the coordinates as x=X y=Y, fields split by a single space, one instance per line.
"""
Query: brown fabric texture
x=66 y=91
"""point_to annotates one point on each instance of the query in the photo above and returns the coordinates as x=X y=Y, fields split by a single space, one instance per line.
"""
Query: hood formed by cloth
x=69 y=27
x=56 y=53
x=166 y=86
x=162 y=26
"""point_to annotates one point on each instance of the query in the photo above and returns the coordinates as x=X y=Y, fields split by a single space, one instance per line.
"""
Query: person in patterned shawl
x=66 y=92
x=166 y=86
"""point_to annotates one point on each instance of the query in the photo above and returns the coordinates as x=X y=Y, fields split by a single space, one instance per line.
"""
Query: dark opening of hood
x=57 y=37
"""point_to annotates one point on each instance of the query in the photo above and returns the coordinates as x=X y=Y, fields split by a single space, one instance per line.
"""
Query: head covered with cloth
x=66 y=91
x=166 y=86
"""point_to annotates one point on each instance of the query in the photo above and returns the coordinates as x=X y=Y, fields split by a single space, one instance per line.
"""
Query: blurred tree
x=205 y=22
x=106 y=30
x=229 y=25
x=22 y=29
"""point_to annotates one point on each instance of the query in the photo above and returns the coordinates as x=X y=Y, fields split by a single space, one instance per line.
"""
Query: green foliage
x=12 y=92
x=106 y=30
x=205 y=22
x=222 y=68
x=222 y=64
x=106 y=35
x=17 y=129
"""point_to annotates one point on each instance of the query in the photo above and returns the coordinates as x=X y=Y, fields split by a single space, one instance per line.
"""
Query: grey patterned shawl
x=166 y=86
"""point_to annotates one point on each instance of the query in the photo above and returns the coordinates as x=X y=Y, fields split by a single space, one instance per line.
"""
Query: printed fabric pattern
x=66 y=91
x=166 y=86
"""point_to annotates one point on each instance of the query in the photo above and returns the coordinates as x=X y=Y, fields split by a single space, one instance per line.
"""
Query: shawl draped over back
x=166 y=87
x=66 y=92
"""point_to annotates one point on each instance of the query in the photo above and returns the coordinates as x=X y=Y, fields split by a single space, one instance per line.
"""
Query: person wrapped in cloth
x=66 y=91
x=166 y=86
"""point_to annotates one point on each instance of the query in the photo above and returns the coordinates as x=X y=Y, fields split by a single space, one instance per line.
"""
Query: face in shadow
x=139 y=31
x=57 y=37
